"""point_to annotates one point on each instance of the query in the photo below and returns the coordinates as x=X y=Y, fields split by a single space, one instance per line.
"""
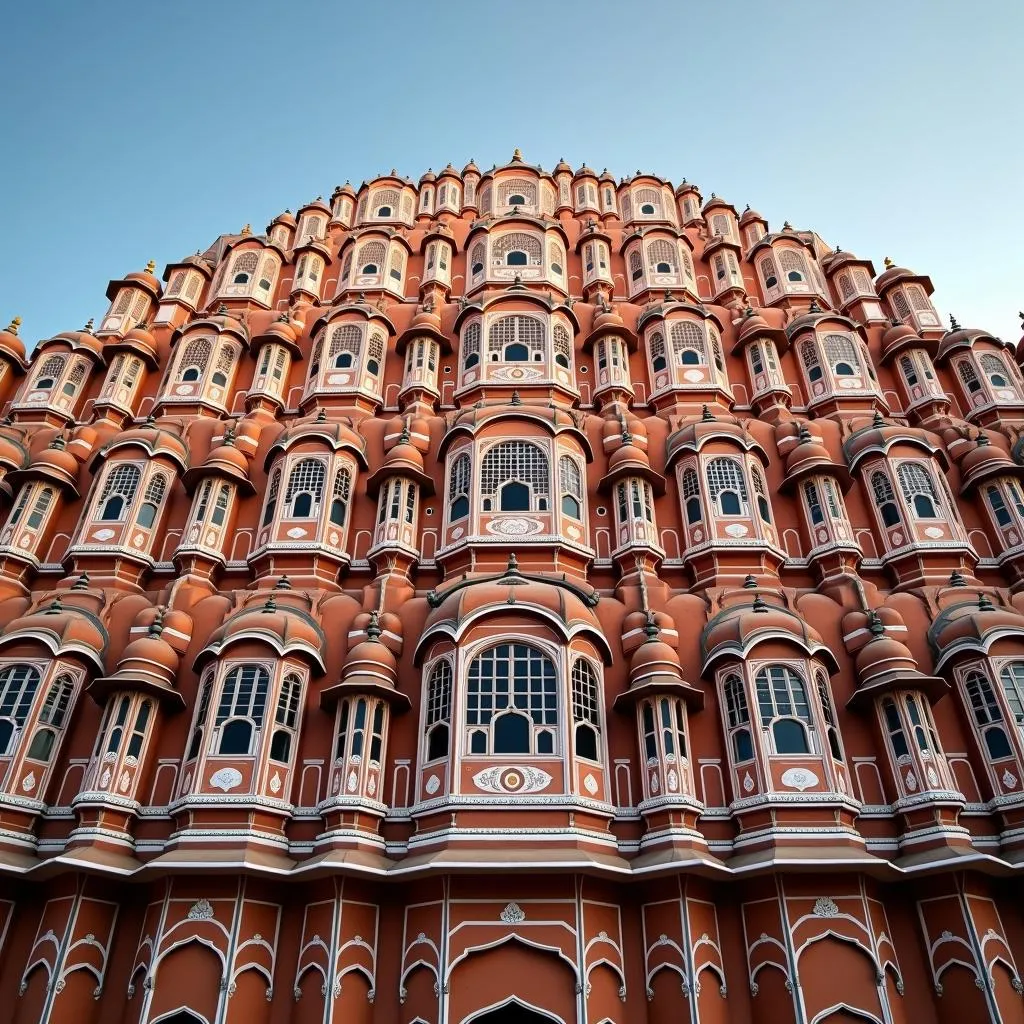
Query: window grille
x=439 y=694
x=783 y=707
x=388 y=197
x=371 y=254
x=585 y=708
x=516 y=339
x=841 y=354
x=845 y=286
x=155 y=489
x=485 y=199
x=562 y=346
x=458 y=488
x=688 y=344
x=18 y=685
x=657 y=349
x=793 y=264
x=517 y=241
x=512 y=701
x=176 y=284
x=885 y=498
x=1011 y=679
x=627 y=207
x=813 y=503
x=663 y=251
x=863 y=281
x=570 y=484
x=995 y=369
x=305 y=489
x=58 y=699
x=725 y=477
x=967 y=376
x=899 y=303
x=769 y=274
x=51 y=369
x=471 y=345
x=829 y=715
x=272 y=491
x=636 y=265
x=517 y=187
x=918 y=298
x=720 y=225
x=918 y=489
x=517 y=473
x=118 y=492
x=195 y=357
x=648 y=197
x=244 y=267
x=809 y=357
x=688 y=264
x=243 y=703
x=287 y=712
x=123 y=299
x=346 y=340
x=397 y=265
x=556 y=258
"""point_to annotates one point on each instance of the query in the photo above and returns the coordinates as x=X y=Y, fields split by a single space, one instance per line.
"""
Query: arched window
x=514 y=477
x=988 y=716
x=152 y=500
x=968 y=377
x=995 y=369
x=220 y=508
x=517 y=192
x=1012 y=681
x=556 y=258
x=39 y=508
x=517 y=249
x=691 y=497
x=783 y=708
x=374 y=352
x=842 y=355
x=998 y=506
x=476 y=260
x=272 y=491
x=828 y=713
x=763 y=508
x=346 y=341
x=894 y=727
x=636 y=265
x=813 y=504
x=516 y=339
x=305 y=490
x=371 y=257
x=909 y=370
x=663 y=256
x=52 y=716
x=512 y=701
x=885 y=499
x=921 y=726
x=198 y=729
x=688 y=344
x=570 y=484
x=285 y=716
x=195 y=359
x=562 y=346
x=118 y=492
x=244 y=267
x=727 y=487
x=586 y=709
x=340 y=495
x=793 y=266
x=138 y=734
x=738 y=717
x=225 y=364
x=769 y=274
x=458 y=488
x=439 y=710
x=243 y=703
x=471 y=345
x=809 y=357
x=649 y=200
x=657 y=348
x=18 y=685
x=918 y=489
x=397 y=267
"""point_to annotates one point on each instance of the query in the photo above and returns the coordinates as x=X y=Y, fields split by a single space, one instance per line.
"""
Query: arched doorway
x=513 y=1012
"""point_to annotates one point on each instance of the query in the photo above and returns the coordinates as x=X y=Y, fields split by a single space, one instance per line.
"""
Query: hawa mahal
x=513 y=596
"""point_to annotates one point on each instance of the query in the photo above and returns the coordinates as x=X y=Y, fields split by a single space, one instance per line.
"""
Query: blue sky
x=133 y=131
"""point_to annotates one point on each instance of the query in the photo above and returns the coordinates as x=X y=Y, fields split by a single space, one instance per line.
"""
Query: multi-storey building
x=512 y=596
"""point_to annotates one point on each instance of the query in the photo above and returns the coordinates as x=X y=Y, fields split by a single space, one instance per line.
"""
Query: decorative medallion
x=371 y=785
x=137 y=540
x=514 y=526
x=799 y=778
x=513 y=914
x=296 y=532
x=505 y=779
x=849 y=383
x=201 y=910
x=29 y=782
x=105 y=779
x=825 y=907
x=574 y=532
x=655 y=784
x=226 y=778
x=432 y=785
x=933 y=778
x=1009 y=779
x=124 y=783
x=457 y=532
x=698 y=535
x=693 y=376
x=353 y=781
x=934 y=532
x=897 y=537
x=590 y=784
x=275 y=783
x=737 y=530
x=103 y=535
x=748 y=782
x=672 y=779
x=911 y=781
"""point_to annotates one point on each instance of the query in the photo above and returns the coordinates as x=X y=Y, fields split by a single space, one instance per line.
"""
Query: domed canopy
x=148 y=665
x=154 y=439
x=811 y=456
x=898 y=338
x=335 y=434
x=405 y=460
x=984 y=462
x=655 y=669
x=11 y=345
x=607 y=320
x=694 y=435
x=972 y=625
x=878 y=437
x=754 y=326
x=64 y=630
x=370 y=669
x=893 y=275
x=555 y=419
x=138 y=279
x=54 y=464
x=963 y=338
x=78 y=341
x=13 y=453
x=287 y=219
x=750 y=216
x=884 y=664
x=275 y=619
x=566 y=607
x=282 y=332
x=138 y=341
x=225 y=462
x=630 y=461
x=814 y=316
x=735 y=631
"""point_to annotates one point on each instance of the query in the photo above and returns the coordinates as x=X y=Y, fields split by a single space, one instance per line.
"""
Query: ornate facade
x=518 y=595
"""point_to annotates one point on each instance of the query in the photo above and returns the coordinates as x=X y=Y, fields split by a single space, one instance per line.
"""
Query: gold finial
x=889 y=263
x=12 y=327
x=246 y=230
x=517 y=154
x=150 y=266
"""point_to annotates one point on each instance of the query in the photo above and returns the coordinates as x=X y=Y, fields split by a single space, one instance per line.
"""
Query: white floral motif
x=513 y=914
x=275 y=783
x=748 y=782
x=799 y=778
x=201 y=910
x=911 y=781
x=226 y=778
x=353 y=781
x=124 y=783
x=825 y=907
x=29 y=782
x=432 y=785
x=507 y=779
x=1009 y=779
x=590 y=784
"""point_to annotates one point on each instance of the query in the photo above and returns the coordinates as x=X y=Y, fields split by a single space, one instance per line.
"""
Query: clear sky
x=133 y=131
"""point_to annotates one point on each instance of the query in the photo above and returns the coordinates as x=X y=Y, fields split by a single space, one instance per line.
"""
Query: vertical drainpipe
x=979 y=955
x=691 y=978
x=800 y=1013
x=332 y=953
x=62 y=952
x=581 y=967
x=221 y=1016
x=442 y=973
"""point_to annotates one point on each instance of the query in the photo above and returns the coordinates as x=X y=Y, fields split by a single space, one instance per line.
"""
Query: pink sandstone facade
x=516 y=596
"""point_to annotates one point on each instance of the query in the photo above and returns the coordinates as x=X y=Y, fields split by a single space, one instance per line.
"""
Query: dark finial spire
x=983 y=439
x=804 y=434
x=984 y=604
x=88 y=326
x=55 y=607
x=82 y=583
x=814 y=307
x=953 y=325
x=150 y=420
x=749 y=583
x=404 y=437
x=222 y=310
x=321 y=416
x=283 y=584
x=58 y=443
x=271 y=604
x=651 y=628
x=229 y=435
x=706 y=417
x=875 y=625
x=156 y=627
x=516 y=400
x=373 y=630
x=956 y=579
x=512 y=568
x=759 y=604
x=877 y=420
x=748 y=312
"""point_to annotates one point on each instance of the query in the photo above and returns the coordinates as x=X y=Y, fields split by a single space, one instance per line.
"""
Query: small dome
x=754 y=325
x=58 y=464
x=749 y=216
x=628 y=457
x=154 y=439
x=10 y=344
x=449 y=172
x=83 y=339
x=899 y=337
x=13 y=453
x=972 y=625
x=287 y=219
x=984 y=461
x=586 y=172
x=428 y=178
x=227 y=460
x=470 y=168
x=64 y=630
x=714 y=202
x=962 y=337
x=562 y=167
